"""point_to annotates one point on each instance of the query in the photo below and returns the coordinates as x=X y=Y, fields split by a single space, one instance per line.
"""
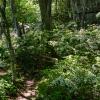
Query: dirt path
x=30 y=91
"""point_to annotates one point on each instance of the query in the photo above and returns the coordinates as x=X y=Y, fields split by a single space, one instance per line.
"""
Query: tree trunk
x=15 y=22
x=45 y=8
x=8 y=37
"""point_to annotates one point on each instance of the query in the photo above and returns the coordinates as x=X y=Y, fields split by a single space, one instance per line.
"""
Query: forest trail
x=29 y=89
x=29 y=93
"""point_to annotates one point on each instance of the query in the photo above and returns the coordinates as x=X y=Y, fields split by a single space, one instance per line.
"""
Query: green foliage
x=83 y=42
x=4 y=54
x=33 y=51
x=76 y=75
x=7 y=88
x=27 y=12
x=71 y=80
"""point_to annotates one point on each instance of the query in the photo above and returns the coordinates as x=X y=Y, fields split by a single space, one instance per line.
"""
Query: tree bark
x=15 y=22
x=8 y=37
x=45 y=8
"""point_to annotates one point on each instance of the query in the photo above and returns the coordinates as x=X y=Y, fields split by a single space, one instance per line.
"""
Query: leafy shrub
x=7 y=88
x=71 y=80
x=4 y=54
x=3 y=50
x=83 y=42
x=34 y=51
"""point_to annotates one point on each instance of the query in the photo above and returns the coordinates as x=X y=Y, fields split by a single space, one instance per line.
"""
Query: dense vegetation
x=55 y=43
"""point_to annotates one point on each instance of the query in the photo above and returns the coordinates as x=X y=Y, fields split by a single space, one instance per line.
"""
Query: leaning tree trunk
x=8 y=37
x=45 y=8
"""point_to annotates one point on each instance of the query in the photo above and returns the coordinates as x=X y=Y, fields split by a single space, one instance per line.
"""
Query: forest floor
x=28 y=91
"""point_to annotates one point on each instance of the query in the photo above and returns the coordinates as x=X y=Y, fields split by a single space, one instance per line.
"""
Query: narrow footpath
x=30 y=91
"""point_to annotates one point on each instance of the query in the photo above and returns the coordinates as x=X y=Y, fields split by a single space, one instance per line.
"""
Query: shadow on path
x=29 y=91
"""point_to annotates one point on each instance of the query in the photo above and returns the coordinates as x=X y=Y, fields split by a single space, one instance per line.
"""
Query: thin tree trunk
x=23 y=29
x=15 y=22
x=8 y=38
